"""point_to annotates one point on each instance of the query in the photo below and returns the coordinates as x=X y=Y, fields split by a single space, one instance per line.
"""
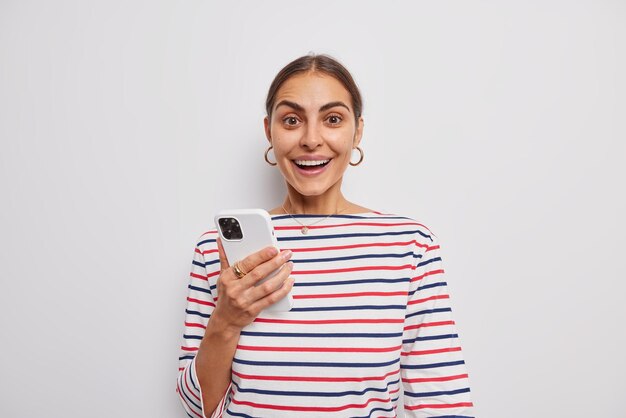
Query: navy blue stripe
x=430 y=338
x=381 y=234
x=452 y=416
x=428 y=311
x=358 y=281
x=313 y=364
x=439 y=393
x=319 y=394
x=192 y=381
x=186 y=357
x=199 y=289
x=432 y=365
x=192 y=337
x=348 y=308
x=239 y=414
x=431 y=285
x=206 y=241
x=184 y=391
x=378 y=410
x=428 y=286
x=190 y=312
x=352 y=257
x=322 y=335
x=208 y=263
x=432 y=260
x=355 y=216
x=197 y=263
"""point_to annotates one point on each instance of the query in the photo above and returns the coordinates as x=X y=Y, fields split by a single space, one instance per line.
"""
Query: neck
x=328 y=203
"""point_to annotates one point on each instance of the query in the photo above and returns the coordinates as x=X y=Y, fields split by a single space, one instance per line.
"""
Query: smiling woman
x=313 y=130
x=371 y=316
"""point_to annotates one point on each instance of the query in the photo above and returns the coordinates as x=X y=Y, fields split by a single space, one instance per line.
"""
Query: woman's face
x=313 y=131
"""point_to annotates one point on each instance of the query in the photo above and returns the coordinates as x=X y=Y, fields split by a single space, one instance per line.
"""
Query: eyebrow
x=296 y=106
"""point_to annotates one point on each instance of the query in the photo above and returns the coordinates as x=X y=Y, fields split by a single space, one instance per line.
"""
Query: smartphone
x=245 y=231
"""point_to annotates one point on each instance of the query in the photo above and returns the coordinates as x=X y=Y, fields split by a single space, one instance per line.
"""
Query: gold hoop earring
x=267 y=159
x=360 y=159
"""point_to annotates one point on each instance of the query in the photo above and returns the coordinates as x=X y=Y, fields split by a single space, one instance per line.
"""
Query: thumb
x=223 y=260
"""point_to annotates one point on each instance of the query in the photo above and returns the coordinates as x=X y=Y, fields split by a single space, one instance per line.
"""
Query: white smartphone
x=245 y=231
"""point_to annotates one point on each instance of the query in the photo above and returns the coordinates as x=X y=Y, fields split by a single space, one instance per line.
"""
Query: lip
x=311 y=172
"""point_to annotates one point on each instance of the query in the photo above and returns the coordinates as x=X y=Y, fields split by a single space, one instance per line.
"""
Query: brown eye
x=334 y=119
x=290 y=120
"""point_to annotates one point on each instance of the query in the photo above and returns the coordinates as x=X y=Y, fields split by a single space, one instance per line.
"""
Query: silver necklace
x=305 y=228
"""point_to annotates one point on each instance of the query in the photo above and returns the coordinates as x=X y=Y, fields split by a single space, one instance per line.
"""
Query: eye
x=290 y=121
x=334 y=119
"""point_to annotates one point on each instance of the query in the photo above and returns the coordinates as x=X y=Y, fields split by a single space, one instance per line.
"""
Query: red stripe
x=214 y=231
x=320 y=349
x=182 y=347
x=435 y=379
x=288 y=228
x=353 y=269
x=314 y=378
x=437 y=351
x=201 y=302
x=329 y=321
x=428 y=273
x=209 y=252
x=434 y=247
x=438 y=406
x=436 y=297
x=309 y=408
x=345 y=247
x=189 y=407
x=188 y=388
x=194 y=325
x=428 y=324
x=349 y=295
x=197 y=276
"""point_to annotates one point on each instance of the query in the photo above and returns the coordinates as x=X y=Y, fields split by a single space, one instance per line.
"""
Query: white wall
x=125 y=125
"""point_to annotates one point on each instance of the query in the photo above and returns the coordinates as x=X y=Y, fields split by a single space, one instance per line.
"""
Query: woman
x=371 y=313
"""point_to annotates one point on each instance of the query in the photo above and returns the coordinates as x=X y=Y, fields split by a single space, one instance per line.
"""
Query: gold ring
x=238 y=271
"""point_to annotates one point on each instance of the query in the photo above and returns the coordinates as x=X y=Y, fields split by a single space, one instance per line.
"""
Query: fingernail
x=286 y=254
x=272 y=251
x=290 y=265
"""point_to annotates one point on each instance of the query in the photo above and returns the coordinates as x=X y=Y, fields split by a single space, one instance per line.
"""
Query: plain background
x=125 y=125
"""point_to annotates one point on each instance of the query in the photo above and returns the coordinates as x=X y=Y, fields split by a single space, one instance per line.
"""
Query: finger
x=253 y=260
x=263 y=270
x=223 y=260
x=268 y=287
x=273 y=297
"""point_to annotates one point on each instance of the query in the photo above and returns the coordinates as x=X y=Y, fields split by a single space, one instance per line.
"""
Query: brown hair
x=311 y=63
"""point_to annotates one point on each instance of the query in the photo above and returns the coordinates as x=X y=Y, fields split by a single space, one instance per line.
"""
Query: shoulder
x=399 y=220
x=206 y=242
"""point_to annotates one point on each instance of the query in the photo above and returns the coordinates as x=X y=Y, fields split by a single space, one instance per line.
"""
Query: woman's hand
x=239 y=300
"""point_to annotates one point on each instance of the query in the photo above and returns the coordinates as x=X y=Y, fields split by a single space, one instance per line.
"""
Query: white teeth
x=311 y=162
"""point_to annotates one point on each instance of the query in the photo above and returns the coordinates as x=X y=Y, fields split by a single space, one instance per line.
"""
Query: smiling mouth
x=310 y=164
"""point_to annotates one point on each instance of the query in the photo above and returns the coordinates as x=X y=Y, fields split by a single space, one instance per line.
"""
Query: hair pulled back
x=322 y=63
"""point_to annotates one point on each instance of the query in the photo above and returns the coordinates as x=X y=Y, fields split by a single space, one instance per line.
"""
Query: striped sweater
x=371 y=318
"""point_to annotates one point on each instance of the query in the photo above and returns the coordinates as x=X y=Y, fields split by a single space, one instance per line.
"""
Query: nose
x=311 y=137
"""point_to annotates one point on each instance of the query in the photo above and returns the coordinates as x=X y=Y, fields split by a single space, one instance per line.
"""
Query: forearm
x=214 y=362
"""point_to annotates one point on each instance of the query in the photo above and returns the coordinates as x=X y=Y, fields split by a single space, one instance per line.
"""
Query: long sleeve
x=434 y=375
x=200 y=305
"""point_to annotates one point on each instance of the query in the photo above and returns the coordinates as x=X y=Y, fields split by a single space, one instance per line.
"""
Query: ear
x=358 y=134
x=268 y=133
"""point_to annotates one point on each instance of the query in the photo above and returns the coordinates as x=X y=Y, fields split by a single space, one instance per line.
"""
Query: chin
x=311 y=191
